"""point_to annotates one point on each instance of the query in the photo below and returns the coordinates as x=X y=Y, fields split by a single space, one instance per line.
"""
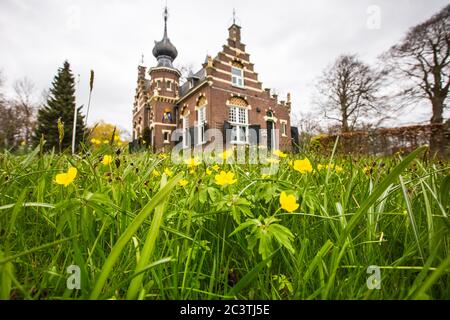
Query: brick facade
x=162 y=104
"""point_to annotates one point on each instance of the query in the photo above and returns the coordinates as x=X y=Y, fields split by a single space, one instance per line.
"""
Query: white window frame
x=169 y=133
x=235 y=79
x=238 y=119
x=201 y=121
x=186 y=143
x=169 y=85
x=283 y=129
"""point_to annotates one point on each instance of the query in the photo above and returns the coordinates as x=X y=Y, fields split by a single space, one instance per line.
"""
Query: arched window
x=238 y=119
x=167 y=116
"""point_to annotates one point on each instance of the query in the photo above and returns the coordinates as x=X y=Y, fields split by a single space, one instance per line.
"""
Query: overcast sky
x=290 y=42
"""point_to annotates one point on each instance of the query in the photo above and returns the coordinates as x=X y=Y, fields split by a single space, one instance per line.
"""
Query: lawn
x=138 y=226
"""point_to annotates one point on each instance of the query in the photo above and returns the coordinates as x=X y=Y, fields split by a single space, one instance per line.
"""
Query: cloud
x=290 y=42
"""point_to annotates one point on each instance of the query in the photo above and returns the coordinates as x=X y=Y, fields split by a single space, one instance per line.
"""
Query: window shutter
x=295 y=139
x=226 y=132
x=254 y=134
x=192 y=134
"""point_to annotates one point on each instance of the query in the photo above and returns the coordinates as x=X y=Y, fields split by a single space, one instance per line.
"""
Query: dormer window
x=237 y=77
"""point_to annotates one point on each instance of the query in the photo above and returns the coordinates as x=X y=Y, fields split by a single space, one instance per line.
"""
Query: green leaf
x=445 y=191
x=129 y=232
x=250 y=276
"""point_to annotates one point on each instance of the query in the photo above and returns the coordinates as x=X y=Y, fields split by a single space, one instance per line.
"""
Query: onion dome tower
x=164 y=51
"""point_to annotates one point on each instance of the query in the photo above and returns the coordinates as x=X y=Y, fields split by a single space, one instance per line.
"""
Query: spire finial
x=234 y=15
x=142 y=59
x=166 y=16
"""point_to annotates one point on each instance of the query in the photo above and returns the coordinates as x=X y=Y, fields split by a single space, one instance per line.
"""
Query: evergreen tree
x=60 y=104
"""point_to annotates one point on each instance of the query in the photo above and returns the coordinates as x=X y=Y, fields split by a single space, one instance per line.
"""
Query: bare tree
x=24 y=101
x=308 y=126
x=421 y=62
x=348 y=91
x=306 y=122
x=421 y=65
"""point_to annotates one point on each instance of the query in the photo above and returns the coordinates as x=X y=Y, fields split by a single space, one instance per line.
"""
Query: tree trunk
x=438 y=107
x=437 y=132
x=344 y=124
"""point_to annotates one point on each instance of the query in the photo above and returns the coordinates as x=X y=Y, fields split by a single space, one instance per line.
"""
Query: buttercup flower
x=271 y=160
x=192 y=162
x=168 y=172
x=225 y=178
x=105 y=141
x=116 y=138
x=227 y=154
x=107 y=160
x=332 y=166
x=216 y=167
x=66 y=178
x=303 y=166
x=183 y=182
x=156 y=173
x=279 y=153
x=288 y=202
x=208 y=171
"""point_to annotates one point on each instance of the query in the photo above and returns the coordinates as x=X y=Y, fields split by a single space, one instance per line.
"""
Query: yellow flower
x=192 y=162
x=271 y=160
x=303 y=166
x=227 y=153
x=291 y=163
x=192 y=171
x=288 y=202
x=107 y=160
x=156 y=173
x=105 y=141
x=168 y=172
x=332 y=166
x=67 y=177
x=208 y=171
x=95 y=141
x=225 y=178
x=116 y=138
x=23 y=143
x=183 y=182
x=338 y=169
x=279 y=153
x=163 y=156
x=216 y=167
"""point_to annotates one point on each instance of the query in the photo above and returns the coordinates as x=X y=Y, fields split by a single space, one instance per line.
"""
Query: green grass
x=136 y=235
